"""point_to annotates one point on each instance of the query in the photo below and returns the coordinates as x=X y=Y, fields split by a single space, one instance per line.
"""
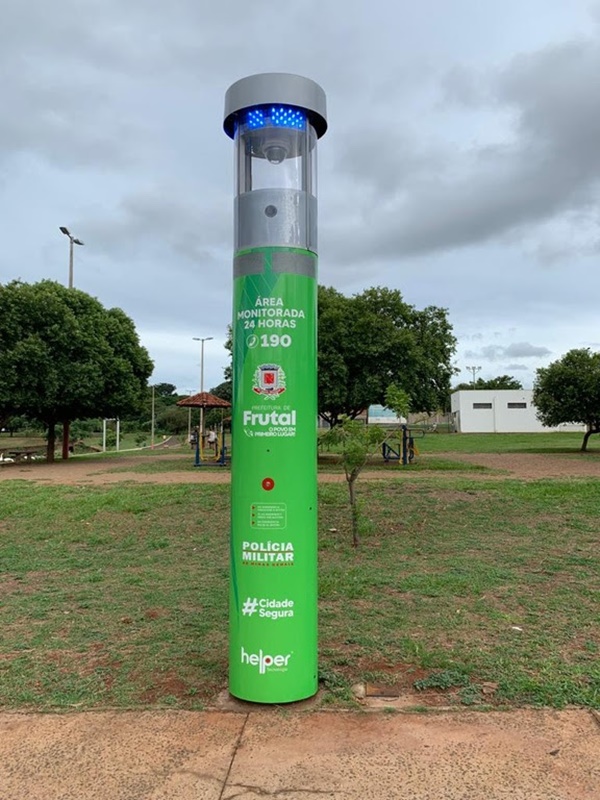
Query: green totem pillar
x=275 y=120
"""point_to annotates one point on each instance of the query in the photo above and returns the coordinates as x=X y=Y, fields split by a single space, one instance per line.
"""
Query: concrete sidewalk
x=290 y=755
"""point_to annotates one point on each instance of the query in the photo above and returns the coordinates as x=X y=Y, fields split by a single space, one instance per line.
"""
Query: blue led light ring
x=277 y=117
x=255 y=118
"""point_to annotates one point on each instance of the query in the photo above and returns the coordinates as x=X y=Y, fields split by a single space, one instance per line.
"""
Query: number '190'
x=275 y=341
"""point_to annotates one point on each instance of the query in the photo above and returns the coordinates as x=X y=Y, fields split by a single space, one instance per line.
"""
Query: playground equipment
x=209 y=452
x=405 y=450
x=206 y=455
x=117 y=432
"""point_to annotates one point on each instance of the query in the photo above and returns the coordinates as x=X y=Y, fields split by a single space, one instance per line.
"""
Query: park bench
x=17 y=454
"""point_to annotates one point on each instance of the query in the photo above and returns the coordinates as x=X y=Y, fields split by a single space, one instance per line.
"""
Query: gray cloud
x=464 y=88
x=525 y=350
x=164 y=216
x=75 y=133
x=452 y=170
x=432 y=199
x=61 y=105
x=494 y=352
x=83 y=81
x=187 y=243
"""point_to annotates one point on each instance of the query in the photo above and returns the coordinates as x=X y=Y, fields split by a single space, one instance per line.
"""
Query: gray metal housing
x=281 y=88
x=275 y=217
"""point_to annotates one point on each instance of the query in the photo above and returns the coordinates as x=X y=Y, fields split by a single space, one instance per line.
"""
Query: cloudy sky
x=461 y=165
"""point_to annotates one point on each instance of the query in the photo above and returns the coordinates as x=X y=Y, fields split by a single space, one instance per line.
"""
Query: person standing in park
x=213 y=441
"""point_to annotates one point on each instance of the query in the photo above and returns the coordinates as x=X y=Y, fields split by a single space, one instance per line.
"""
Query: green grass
x=148 y=465
x=331 y=462
x=184 y=462
x=128 y=442
x=176 y=445
x=147 y=454
x=504 y=443
x=448 y=574
x=8 y=441
x=111 y=597
x=92 y=447
x=429 y=445
x=117 y=596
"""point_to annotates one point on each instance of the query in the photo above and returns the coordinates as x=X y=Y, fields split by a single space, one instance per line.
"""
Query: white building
x=498 y=411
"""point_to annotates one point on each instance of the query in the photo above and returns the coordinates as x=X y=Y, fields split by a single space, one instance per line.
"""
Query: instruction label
x=268 y=515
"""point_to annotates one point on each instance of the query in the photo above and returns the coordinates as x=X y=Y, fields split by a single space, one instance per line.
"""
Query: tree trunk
x=586 y=437
x=51 y=442
x=355 y=513
x=65 y=439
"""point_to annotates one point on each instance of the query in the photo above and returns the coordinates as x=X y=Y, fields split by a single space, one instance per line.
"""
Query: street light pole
x=473 y=371
x=189 y=436
x=152 y=424
x=67 y=423
x=72 y=240
x=70 y=263
x=205 y=339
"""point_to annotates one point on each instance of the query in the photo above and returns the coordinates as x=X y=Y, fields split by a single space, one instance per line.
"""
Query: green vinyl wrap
x=273 y=586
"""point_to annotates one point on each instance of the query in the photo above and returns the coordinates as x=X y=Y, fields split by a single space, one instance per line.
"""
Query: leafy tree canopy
x=168 y=418
x=500 y=382
x=171 y=419
x=398 y=400
x=214 y=416
x=168 y=391
x=63 y=356
x=374 y=339
x=568 y=390
x=223 y=390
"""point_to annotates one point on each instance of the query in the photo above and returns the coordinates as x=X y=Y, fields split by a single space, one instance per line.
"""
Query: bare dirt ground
x=524 y=466
x=83 y=471
x=183 y=755
x=534 y=466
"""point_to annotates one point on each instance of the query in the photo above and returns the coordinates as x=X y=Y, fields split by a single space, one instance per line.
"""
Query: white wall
x=494 y=415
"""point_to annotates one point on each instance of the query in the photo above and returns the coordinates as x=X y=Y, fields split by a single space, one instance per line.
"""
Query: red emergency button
x=268 y=484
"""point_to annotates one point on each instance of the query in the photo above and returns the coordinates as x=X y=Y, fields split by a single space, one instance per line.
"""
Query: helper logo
x=265 y=662
x=250 y=607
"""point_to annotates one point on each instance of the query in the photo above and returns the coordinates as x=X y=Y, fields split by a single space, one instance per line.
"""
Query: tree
x=358 y=443
x=13 y=424
x=373 y=339
x=501 y=382
x=63 y=356
x=398 y=400
x=164 y=397
x=214 y=416
x=228 y=371
x=223 y=390
x=166 y=391
x=172 y=419
x=568 y=390
x=334 y=329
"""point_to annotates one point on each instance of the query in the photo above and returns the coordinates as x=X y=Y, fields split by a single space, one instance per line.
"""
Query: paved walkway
x=290 y=755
